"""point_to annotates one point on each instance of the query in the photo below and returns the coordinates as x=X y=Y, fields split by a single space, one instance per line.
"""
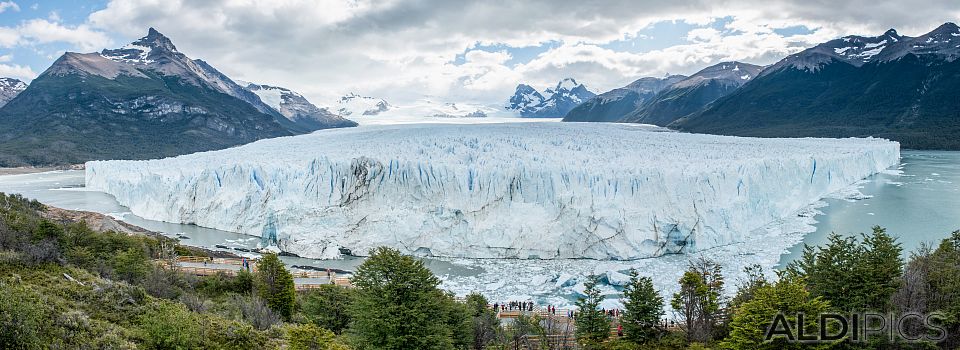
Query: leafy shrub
x=310 y=337
x=131 y=265
x=255 y=310
x=327 y=307
x=20 y=319
x=170 y=326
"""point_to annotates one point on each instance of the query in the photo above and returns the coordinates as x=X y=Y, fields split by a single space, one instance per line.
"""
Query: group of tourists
x=514 y=305
x=552 y=310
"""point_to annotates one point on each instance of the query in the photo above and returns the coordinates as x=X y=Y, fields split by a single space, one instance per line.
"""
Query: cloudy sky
x=449 y=50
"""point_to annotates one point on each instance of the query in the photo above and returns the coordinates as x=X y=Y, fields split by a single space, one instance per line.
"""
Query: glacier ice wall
x=514 y=190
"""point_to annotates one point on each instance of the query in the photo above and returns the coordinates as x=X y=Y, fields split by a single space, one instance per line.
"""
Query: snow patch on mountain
x=520 y=190
x=944 y=42
x=554 y=102
x=10 y=88
x=296 y=108
x=354 y=105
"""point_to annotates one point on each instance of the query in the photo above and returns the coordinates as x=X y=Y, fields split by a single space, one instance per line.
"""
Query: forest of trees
x=63 y=285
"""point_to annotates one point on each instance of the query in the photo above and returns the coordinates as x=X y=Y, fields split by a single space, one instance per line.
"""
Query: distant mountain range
x=296 y=108
x=660 y=101
x=353 y=105
x=552 y=103
x=614 y=105
x=10 y=88
x=902 y=88
x=692 y=94
x=144 y=100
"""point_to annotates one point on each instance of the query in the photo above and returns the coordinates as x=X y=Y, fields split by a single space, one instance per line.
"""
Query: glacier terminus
x=511 y=190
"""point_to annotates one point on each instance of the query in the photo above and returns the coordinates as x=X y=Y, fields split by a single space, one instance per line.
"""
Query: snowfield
x=512 y=190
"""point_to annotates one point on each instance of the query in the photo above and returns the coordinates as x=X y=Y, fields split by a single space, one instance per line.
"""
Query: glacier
x=511 y=190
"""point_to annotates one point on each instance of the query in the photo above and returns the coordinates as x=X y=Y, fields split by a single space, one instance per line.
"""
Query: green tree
x=642 y=310
x=748 y=287
x=46 y=229
x=275 y=285
x=398 y=304
x=829 y=270
x=131 y=265
x=853 y=275
x=942 y=278
x=593 y=327
x=457 y=317
x=328 y=307
x=880 y=269
x=484 y=320
x=786 y=297
x=699 y=302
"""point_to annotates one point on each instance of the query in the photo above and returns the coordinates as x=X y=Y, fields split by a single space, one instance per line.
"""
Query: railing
x=251 y=264
x=222 y=261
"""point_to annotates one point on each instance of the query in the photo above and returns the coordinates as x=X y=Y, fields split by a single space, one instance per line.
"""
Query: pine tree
x=593 y=327
x=485 y=322
x=398 y=305
x=880 y=267
x=787 y=297
x=643 y=308
x=275 y=285
x=699 y=301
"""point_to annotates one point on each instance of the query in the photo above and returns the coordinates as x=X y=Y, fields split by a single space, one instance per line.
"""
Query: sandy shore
x=101 y=222
x=19 y=171
x=32 y=170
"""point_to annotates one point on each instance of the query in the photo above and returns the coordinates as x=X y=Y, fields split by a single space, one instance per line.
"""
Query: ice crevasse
x=514 y=190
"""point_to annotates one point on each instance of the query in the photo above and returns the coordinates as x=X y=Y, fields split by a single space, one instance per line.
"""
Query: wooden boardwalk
x=204 y=266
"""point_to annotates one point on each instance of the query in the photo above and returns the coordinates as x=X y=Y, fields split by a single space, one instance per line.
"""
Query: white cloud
x=8 y=5
x=41 y=31
x=703 y=34
x=403 y=49
x=17 y=71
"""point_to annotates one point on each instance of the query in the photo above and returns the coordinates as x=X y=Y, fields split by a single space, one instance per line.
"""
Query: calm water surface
x=920 y=205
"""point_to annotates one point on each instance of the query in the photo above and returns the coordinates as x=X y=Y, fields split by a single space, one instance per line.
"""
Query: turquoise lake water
x=922 y=204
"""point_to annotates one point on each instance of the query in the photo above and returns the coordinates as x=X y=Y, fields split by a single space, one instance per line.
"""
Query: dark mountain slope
x=615 y=104
x=693 y=93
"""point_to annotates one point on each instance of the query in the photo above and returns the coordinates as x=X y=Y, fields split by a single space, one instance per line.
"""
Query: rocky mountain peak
x=144 y=50
x=728 y=73
x=554 y=102
x=156 y=40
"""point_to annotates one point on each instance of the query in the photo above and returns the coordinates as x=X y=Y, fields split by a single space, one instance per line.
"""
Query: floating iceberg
x=513 y=190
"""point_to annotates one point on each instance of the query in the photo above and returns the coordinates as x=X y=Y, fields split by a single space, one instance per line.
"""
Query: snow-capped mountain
x=10 y=88
x=690 y=95
x=552 y=103
x=354 y=105
x=143 y=100
x=892 y=86
x=943 y=42
x=615 y=104
x=155 y=52
x=297 y=108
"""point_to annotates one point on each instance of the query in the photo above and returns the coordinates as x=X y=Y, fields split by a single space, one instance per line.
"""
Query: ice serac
x=519 y=190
